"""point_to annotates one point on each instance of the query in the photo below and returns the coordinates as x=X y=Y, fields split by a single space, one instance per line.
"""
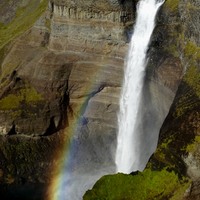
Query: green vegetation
x=177 y=43
x=10 y=66
x=172 y=4
x=25 y=17
x=25 y=154
x=13 y=101
x=191 y=57
x=192 y=78
x=143 y=186
x=2 y=54
x=191 y=50
x=177 y=139
x=192 y=6
x=192 y=147
x=185 y=103
x=189 y=100
x=163 y=155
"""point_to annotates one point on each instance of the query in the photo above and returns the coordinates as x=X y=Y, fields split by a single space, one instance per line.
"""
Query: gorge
x=62 y=65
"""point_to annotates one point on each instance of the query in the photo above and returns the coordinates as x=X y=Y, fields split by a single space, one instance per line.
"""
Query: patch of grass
x=172 y=4
x=25 y=17
x=192 y=78
x=164 y=153
x=13 y=101
x=191 y=51
x=189 y=100
x=177 y=44
x=192 y=6
x=179 y=193
x=185 y=103
x=31 y=95
x=173 y=50
x=192 y=147
x=144 y=186
x=10 y=102
x=8 y=67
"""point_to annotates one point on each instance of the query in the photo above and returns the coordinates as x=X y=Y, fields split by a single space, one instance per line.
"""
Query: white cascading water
x=128 y=145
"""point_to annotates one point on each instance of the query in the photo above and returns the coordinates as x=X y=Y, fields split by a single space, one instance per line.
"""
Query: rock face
x=174 y=63
x=68 y=68
x=51 y=78
x=90 y=26
x=179 y=136
x=54 y=59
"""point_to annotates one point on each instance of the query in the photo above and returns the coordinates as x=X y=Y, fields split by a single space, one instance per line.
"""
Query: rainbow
x=63 y=156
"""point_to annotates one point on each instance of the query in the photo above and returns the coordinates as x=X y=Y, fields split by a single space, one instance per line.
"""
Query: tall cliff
x=173 y=170
x=68 y=65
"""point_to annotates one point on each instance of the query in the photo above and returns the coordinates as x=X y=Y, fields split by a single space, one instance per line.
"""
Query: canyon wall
x=62 y=71
x=174 y=52
x=68 y=68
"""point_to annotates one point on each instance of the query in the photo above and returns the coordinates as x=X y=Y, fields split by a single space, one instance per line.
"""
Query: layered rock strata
x=69 y=66
x=48 y=81
x=91 y=28
x=175 y=43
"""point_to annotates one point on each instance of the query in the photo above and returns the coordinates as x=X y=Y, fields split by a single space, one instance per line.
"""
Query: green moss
x=192 y=7
x=192 y=147
x=177 y=41
x=192 y=51
x=172 y=49
x=25 y=17
x=10 y=102
x=164 y=155
x=192 y=78
x=179 y=193
x=144 y=186
x=13 y=101
x=189 y=100
x=166 y=142
x=3 y=52
x=9 y=67
x=31 y=95
x=185 y=104
x=172 y=4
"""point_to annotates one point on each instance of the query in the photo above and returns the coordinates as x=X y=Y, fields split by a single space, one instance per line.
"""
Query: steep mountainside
x=67 y=67
x=62 y=64
x=173 y=170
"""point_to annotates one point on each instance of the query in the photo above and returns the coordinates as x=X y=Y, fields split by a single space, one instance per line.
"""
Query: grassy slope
x=25 y=17
x=147 y=185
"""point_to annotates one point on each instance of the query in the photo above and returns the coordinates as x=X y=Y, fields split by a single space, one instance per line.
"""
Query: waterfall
x=128 y=155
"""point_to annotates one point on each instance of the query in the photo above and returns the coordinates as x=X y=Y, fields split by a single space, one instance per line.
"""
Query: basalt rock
x=50 y=78
x=178 y=146
x=69 y=66
x=173 y=64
